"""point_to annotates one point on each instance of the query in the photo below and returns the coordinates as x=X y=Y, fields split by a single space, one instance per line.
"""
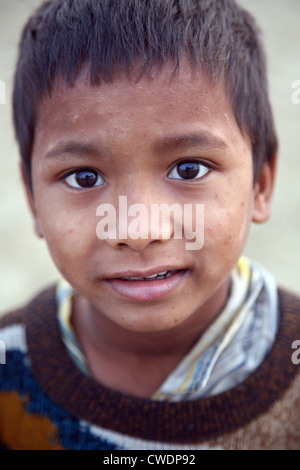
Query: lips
x=147 y=286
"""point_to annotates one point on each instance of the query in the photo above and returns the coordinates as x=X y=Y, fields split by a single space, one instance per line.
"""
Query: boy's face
x=94 y=144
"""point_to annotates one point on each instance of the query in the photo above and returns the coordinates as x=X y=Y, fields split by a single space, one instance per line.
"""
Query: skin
x=132 y=345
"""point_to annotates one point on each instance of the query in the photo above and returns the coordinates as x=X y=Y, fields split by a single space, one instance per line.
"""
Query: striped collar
x=229 y=350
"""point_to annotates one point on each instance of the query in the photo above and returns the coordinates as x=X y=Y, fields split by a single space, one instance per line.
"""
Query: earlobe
x=30 y=198
x=263 y=191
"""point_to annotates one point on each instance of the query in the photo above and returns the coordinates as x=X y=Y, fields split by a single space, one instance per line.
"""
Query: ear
x=30 y=198
x=263 y=191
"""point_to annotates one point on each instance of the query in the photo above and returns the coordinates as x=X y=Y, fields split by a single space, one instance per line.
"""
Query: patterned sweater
x=47 y=403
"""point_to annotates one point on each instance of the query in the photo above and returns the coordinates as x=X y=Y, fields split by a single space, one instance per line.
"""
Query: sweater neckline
x=171 y=422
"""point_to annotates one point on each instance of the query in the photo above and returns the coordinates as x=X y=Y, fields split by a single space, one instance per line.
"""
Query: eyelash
x=72 y=175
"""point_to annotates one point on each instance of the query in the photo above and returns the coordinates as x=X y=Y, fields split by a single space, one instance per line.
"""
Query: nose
x=138 y=224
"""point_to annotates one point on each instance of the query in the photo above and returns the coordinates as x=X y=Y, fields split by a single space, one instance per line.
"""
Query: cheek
x=226 y=229
x=70 y=240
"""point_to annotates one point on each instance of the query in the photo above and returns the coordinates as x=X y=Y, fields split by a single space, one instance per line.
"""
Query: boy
x=156 y=338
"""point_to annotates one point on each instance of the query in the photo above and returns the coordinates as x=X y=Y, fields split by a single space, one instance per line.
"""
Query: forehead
x=158 y=104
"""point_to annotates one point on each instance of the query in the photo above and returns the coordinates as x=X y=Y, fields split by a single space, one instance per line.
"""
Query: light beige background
x=25 y=265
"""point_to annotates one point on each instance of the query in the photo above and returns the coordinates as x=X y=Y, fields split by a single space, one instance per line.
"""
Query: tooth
x=132 y=278
x=160 y=275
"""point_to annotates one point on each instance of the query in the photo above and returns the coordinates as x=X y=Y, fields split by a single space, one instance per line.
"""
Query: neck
x=98 y=330
x=135 y=362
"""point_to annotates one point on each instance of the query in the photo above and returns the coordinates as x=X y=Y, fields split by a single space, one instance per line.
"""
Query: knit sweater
x=47 y=403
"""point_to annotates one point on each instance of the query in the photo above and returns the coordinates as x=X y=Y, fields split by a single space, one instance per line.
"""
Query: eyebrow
x=206 y=140
x=77 y=149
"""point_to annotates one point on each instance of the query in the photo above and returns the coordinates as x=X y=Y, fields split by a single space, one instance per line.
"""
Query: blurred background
x=25 y=265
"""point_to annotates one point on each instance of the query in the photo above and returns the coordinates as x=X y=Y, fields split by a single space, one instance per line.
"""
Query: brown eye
x=84 y=179
x=188 y=171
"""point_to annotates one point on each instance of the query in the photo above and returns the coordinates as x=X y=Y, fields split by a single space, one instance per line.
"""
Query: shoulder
x=13 y=323
x=11 y=318
x=39 y=300
x=288 y=301
x=289 y=314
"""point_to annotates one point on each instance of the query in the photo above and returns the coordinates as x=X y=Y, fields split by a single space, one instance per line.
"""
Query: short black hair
x=110 y=36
